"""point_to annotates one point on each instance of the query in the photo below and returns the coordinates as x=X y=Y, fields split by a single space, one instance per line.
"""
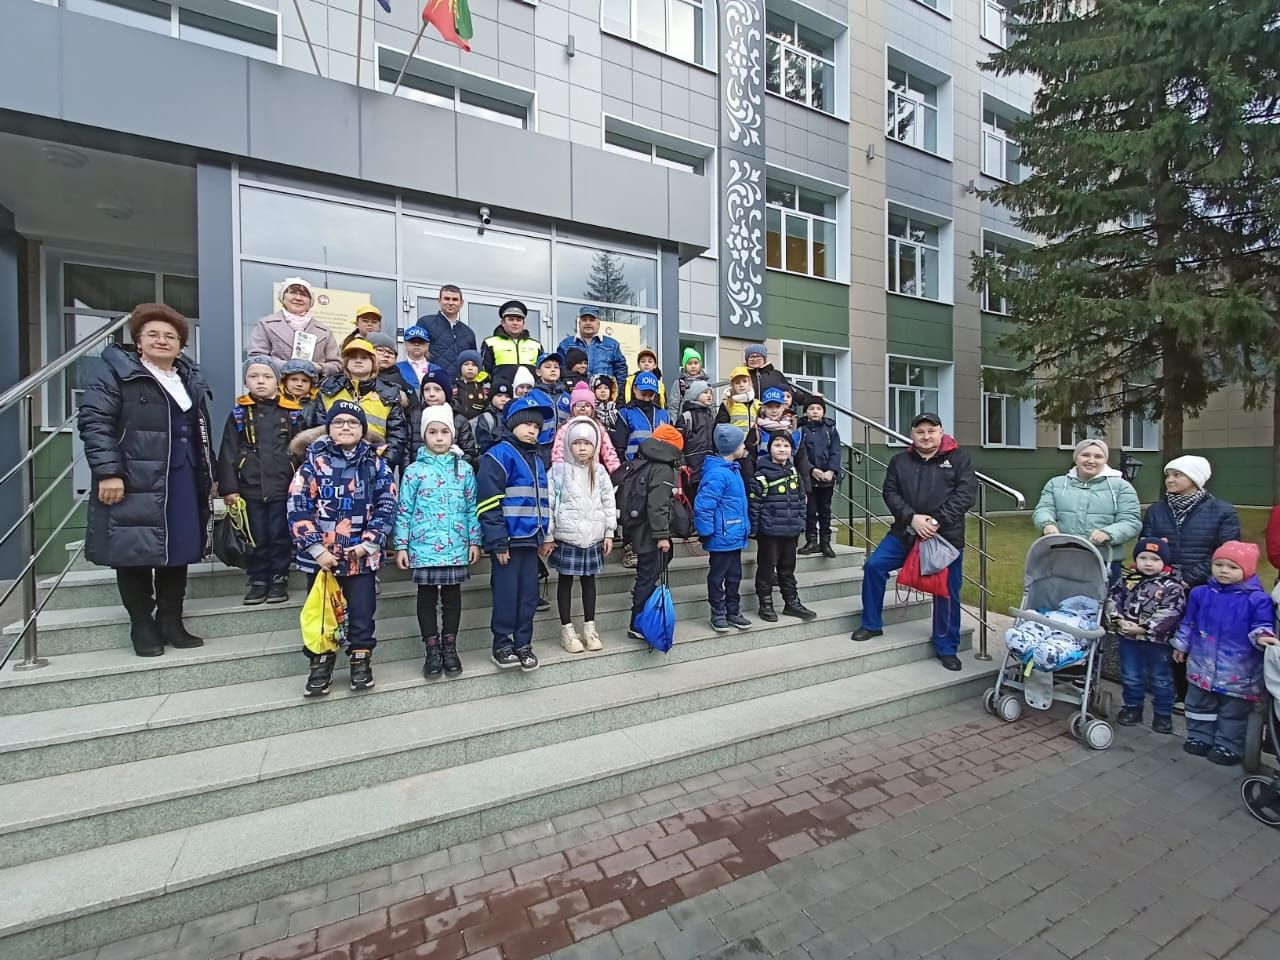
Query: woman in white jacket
x=583 y=517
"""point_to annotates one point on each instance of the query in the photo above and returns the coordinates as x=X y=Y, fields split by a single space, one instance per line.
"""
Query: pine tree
x=1155 y=150
x=607 y=281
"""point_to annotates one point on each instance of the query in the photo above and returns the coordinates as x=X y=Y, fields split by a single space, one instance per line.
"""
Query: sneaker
x=767 y=613
x=634 y=634
x=1129 y=716
x=321 y=675
x=863 y=634
x=1197 y=748
x=1179 y=708
x=528 y=662
x=794 y=608
x=739 y=621
x=361 y=669
x=505 y=657
x=950 y=661
x=629 y=557
x=827 y=552
x=278 y=592
x=433 y=665
x=1223 y=757
x=719 y=623
x=543 y=604
x=257 y=594
x=810 y=546
x=569 y=639
x=1162 y=724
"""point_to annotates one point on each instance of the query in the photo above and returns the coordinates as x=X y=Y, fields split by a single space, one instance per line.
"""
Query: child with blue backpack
x=515 y=521
x=720 y=514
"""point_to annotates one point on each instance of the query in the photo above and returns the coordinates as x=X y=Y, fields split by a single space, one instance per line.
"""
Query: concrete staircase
x=135 y=794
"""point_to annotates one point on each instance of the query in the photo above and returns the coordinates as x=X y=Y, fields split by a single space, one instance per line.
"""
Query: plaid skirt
x=440 y=576
x=578 y=561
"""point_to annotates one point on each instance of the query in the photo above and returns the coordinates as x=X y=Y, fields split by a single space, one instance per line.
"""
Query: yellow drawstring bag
x=324 y=615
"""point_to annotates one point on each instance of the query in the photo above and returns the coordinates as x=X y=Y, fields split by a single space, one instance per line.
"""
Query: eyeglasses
x=298 y=292
x=345 y=423
x=169 y=337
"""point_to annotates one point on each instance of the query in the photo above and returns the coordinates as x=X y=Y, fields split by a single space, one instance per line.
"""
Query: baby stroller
x=1261 y=792
x=1060 y=570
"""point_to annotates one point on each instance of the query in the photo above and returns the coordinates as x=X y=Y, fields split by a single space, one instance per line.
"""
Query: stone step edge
x=72 y=886
x=535 y=705
x=120 y=659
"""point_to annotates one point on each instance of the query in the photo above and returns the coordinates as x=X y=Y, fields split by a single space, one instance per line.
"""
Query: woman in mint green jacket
x=1093 y=501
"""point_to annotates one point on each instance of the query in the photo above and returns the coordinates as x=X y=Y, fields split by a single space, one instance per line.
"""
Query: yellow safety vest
x=507 y=352
x=743 y=415
x=376 y=410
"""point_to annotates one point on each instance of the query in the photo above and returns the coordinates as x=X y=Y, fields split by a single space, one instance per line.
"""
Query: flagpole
x=306 y=34
x=359 y=38
x=412 y=50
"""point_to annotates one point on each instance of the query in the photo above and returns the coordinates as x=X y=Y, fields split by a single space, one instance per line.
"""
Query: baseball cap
x=417 y=332
x=926 y=417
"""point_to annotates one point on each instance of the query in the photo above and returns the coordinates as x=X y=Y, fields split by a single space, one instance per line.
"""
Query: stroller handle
x=1056 y=625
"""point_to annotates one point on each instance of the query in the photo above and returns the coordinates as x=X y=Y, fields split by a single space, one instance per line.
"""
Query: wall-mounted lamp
x=871 y=152
x=571 y=47
x=971 y=188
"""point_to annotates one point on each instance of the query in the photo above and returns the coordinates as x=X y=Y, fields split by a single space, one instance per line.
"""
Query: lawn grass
x=1010 y=535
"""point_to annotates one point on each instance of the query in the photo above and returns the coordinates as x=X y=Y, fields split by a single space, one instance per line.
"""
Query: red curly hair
x=145 y=313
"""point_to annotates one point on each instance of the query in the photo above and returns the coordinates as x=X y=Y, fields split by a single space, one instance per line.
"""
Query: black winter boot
x=825 y=547
x=321 y=675
x=433 y=666
x=138 y=599
x=767 y=613
x=810 y=546
x=449 y=654
x=792 y=607
x=171 y=588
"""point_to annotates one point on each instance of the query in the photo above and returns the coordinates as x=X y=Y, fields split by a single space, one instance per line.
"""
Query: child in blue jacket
x=821 y=442
x=342 y=506
x=515 y=523
x=438 y=536
x=720 y=516
x=1228 y=622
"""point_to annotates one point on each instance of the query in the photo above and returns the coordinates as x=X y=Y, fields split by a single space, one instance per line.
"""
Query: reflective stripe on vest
x=508 y=352
x=526 y=500
x=376 y=410
x=791 y=482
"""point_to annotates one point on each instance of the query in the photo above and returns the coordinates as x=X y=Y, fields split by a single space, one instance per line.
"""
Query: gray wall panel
x=422 y=159
x=278 y=98
x=30 y=76
x=919 y=179
x=689 y=205
x=219 y=356
x=608 y=188
x=506 y=167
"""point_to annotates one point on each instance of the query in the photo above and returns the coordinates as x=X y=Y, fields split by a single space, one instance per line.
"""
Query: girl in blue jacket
x=438 y=536
x=720 y=516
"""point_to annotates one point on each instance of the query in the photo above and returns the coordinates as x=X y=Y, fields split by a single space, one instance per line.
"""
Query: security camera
x=485 y=218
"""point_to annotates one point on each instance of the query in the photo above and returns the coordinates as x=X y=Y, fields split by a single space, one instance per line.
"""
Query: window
x=444 y=86
x=684 y=29
x=942 y=6
x=911 y=106
x=995 y=22
x=624 y=286
x=914 y=256
x=811 y=369
x=706 y=347
x=1138 y=432
x=225 y=24
x=1069 y=434
x=1001 y=155
x=800 y=233
x=655 y=147
x=994 y=245
x=914 y=387
x=799 y=64
x=1007 y=421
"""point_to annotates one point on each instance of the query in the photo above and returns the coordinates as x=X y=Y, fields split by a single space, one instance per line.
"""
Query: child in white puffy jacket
x=583 y=517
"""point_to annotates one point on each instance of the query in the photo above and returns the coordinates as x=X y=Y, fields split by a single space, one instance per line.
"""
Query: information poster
x=336 y=309
x=629 y=337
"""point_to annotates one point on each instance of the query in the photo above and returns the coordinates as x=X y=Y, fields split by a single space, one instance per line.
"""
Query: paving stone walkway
x=948 y=835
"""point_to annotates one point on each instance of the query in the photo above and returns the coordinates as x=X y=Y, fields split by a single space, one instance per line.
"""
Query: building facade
x=714 y=172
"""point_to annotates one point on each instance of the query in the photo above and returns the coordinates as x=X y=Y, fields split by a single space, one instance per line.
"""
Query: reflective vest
x=742 y=415
x=507 y=352
x=640 y=427
x=376 y=410
x=526 y=500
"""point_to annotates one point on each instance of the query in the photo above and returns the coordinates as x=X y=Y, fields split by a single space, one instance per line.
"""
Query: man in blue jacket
x=449 y=336
x=604 y=354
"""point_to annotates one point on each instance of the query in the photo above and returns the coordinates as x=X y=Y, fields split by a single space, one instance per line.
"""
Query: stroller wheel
x=1009 y=708
x=1075 y=727
x=989 y=700
x=1262 y=799
x=1098 y=734
x=1252 y=758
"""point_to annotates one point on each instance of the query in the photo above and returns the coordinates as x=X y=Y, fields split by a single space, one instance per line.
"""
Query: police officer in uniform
x=511 y=345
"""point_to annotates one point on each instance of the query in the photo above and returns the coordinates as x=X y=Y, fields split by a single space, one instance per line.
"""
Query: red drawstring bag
x=911 y=578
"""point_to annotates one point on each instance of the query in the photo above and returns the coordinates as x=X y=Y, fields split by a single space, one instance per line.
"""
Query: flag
x=451 y=18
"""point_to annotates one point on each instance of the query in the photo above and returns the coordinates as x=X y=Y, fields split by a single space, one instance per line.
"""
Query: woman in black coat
x=144 y=420
x=1196 y=523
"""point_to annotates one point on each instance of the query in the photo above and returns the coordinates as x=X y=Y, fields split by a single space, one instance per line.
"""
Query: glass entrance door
x=480 y=312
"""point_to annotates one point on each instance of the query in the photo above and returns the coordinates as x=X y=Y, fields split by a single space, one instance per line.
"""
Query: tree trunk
x=1171 y=421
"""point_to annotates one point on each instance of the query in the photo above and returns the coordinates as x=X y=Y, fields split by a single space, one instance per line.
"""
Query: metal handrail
x=22 y=395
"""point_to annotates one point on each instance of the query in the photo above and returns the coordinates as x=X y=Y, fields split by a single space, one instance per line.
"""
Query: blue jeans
x=517 y=586
x=361 y=594
x=888 y=557
x=1147 y=667
x=724 y=583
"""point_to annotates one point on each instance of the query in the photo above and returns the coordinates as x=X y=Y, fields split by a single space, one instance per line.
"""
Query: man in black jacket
x=928 y=488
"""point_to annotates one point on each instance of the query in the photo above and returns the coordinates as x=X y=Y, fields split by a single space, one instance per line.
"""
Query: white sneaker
x=569 y=639
x=590 y=637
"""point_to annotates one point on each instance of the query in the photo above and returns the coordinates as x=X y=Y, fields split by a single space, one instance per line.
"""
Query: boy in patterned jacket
x=342 y=508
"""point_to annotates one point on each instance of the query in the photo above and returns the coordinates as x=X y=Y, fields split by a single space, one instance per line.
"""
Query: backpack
x=632 y=481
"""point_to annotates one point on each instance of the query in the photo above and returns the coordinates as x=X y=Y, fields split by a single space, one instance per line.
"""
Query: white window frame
x=1066 y=442
x=789 y=49
x=710 y=15
x=461 y=81
x=941 y=7
x=1024 y=409
x=945 y=391
x=843 y=381
x=838 y=195
x=995 y=23
x=710 y=352
x=1150 y=429
x=996 y=138
x=926 y=73
x=998 y=242
x=945 y=251
x=658 y=142
x=209 y=8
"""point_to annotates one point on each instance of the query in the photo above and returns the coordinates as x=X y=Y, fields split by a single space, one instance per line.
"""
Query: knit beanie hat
x=1092 y=442
x=1157 y=545
x=1196 y=469
x=781 y=435
x=440 y=378
x=437 y=414
x=696 y=389
x=754 y=349
x=818 y=400
x=469 y=356
x=259 y=359
x=380 y=339
x=523 y=378
x=581 y=429
x=346 y=408
x=669 y=434
x=582 y=394
x=298 y=365
x=728 y=438
x=689 y=354
x=526 y=409
x=574 y=356
x=603 y=378
x=1243 y=555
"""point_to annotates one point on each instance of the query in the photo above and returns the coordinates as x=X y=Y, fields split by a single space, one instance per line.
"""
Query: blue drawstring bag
x=657 y=621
